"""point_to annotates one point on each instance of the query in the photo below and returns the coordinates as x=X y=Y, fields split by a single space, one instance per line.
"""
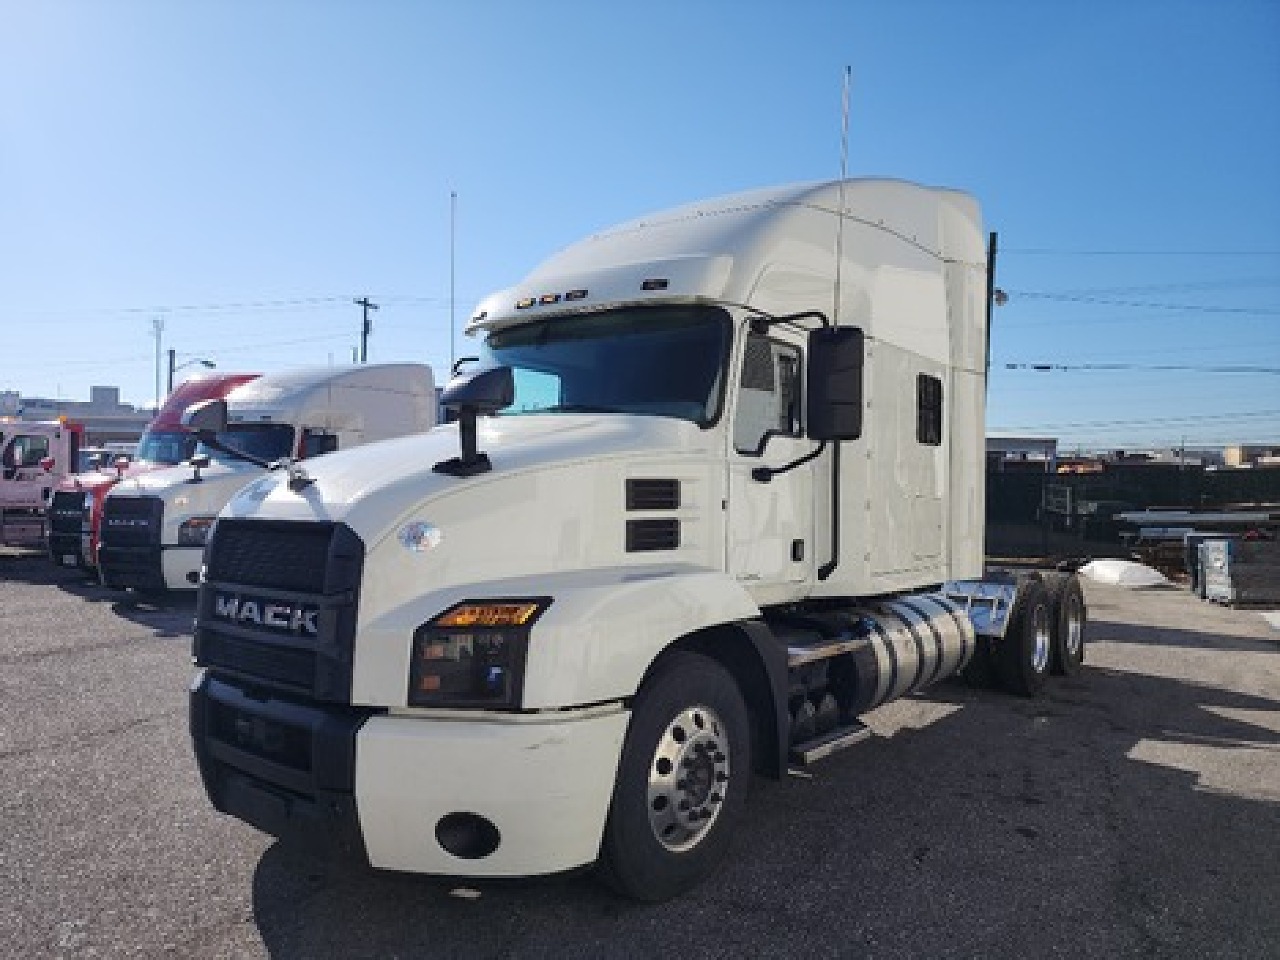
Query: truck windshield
x=665 y=361
x=266 y=441
x=166 y=446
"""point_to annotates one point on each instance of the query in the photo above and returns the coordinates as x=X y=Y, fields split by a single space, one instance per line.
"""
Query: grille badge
x=289 y=617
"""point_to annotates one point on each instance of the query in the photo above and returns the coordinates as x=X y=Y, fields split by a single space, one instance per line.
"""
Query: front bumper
x=70 y=550
x=281 y=766
x=545 y=785
x=388 y=782
x=151 y=568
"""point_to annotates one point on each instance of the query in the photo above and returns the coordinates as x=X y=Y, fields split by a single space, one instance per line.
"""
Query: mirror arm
x=472 y=462
x=765 y=474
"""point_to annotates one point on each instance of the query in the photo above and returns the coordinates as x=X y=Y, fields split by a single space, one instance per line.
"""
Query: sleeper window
x=928 y=410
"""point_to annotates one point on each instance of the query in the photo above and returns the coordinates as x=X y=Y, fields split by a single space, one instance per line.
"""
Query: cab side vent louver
x=653 y=494
x=653 y=535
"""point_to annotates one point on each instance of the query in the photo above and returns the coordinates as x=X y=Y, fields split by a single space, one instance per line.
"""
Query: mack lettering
x=277 y=616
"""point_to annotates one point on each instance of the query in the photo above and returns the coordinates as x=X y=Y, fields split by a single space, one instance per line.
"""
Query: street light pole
x=157 y=329
x=173 y=355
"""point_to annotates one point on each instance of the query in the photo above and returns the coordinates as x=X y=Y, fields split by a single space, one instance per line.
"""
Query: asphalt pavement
x=1133 y=812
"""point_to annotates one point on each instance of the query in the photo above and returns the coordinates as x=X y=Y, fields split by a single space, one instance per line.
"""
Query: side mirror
x=206 y=417
x=485 y=391
x=488 y=391
x=47 y=464
x=458 y=364
x=316 y=442
x=121 y=464
x=834 y=387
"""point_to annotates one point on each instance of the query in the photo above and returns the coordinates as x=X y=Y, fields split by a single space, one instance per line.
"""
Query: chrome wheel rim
x=1041 y=638
x=1075 y=630
x=688 y=778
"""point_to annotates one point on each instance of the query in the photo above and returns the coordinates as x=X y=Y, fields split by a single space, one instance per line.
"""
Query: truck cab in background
x=155 y=525
x=34 y=456
x=714 y=491
x=75 y=512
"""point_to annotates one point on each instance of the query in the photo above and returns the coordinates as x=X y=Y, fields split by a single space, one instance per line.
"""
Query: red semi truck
x=75 y=514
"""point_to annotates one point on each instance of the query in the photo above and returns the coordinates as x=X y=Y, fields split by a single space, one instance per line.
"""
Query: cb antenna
x=844 y=172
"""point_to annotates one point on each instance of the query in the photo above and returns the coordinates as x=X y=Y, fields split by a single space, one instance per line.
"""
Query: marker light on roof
x=549 y=298
x=525 y=303
x=655 y=284
x=576 y=295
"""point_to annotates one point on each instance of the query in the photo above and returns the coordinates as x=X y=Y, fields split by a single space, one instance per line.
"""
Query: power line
x=231 y=306
x=1050 y=252
x=1144 y=304
x=1141 y=367
x=1229 y=284
x=1156 y=421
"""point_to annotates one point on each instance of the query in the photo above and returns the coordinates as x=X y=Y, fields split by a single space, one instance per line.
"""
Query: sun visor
x=685 y=279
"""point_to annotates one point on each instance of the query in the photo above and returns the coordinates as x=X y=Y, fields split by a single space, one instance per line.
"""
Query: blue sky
x=245 y=169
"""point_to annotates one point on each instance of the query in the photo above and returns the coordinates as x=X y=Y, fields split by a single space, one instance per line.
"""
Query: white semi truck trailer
x=714 y=491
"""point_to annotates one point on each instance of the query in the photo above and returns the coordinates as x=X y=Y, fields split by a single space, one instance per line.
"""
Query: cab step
x=845 y=735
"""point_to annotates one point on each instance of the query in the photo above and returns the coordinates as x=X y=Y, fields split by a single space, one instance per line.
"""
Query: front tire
x=682 y=780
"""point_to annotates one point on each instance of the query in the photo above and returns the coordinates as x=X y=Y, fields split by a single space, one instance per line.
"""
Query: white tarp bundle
x=1123 y=573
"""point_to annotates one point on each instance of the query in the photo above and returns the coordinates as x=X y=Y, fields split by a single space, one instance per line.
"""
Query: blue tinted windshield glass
x=664 y=361
x=166 y=446
x=265 y=441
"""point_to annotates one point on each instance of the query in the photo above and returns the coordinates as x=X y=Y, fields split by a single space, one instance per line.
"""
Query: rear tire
x=682 y=780
x=1069 y=616
x=1024 y=654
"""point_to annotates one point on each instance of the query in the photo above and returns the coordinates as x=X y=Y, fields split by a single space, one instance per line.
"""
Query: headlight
x=194 y=532
x=473 y=654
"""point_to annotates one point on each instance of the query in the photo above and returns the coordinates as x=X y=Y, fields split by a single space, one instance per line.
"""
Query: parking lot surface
x=1132 y=812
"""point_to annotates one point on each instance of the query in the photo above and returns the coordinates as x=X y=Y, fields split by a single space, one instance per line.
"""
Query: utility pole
x=453 y=236
x=157 y=328
x=366 y=326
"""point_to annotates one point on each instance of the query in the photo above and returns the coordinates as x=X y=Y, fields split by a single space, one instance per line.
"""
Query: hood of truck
x=90 y=482
x=167 y=482
x=371 y=487
x=97 y=480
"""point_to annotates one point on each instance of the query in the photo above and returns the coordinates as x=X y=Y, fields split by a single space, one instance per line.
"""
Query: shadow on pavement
x=168 y=613
x=1099 y=820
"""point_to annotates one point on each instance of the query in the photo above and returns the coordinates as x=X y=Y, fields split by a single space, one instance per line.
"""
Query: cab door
x=769 y=537
x=26 y=482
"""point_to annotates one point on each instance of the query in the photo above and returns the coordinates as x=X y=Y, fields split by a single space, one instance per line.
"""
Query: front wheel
x=682 y=780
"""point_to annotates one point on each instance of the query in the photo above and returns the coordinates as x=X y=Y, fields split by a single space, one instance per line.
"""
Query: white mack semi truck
x=154 y=526
x=714 y=491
